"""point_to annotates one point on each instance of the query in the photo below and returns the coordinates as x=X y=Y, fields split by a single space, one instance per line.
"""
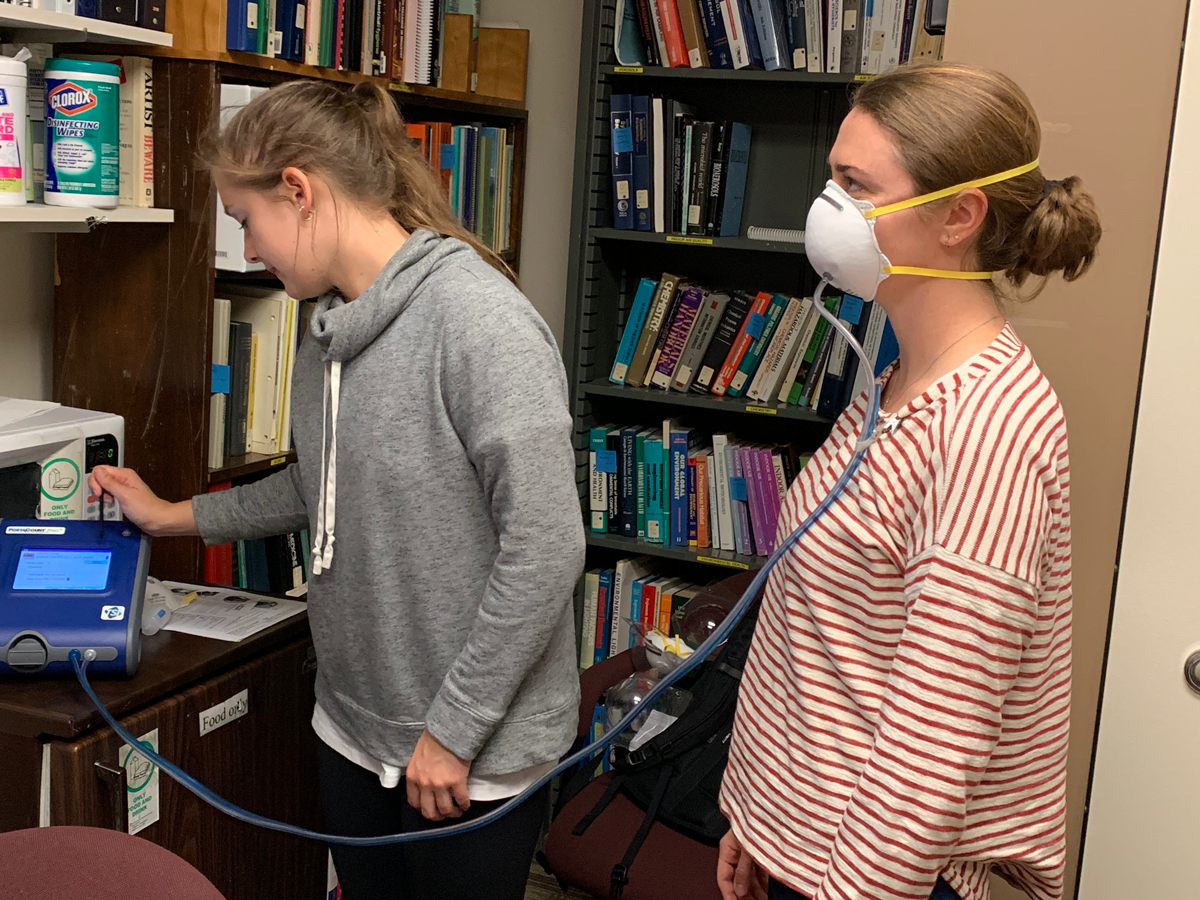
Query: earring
x=306 y=213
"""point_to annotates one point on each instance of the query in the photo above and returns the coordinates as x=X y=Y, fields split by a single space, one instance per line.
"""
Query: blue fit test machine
x=71 y=585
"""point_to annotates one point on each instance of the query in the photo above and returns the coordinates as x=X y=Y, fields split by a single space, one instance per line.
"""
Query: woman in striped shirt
x=902 y=722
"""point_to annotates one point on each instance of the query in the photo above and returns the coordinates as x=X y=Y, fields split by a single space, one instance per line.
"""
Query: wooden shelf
x=37 y=217
x=709 y=402
x=738 y=75
x=706 y=556
x=252 y=66
x=24 y=24
x=239 y=466
x=707 y=243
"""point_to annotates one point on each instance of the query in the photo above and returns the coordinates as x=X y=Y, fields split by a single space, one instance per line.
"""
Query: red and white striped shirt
x=904 y=709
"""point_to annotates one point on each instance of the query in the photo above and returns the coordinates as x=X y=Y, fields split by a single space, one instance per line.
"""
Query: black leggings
x=779 y=891
x=492 y=862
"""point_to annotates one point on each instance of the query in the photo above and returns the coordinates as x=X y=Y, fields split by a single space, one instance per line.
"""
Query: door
x=1142 y=833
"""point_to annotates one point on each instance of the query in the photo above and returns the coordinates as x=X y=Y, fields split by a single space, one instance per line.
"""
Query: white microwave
x=46 y=453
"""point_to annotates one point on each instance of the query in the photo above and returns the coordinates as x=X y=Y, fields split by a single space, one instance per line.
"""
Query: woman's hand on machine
x=139 y=504
x=739 y=877
x=436 y=780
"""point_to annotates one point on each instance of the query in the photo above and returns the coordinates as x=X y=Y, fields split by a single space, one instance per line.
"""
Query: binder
x=621 y=140
x=643 y=186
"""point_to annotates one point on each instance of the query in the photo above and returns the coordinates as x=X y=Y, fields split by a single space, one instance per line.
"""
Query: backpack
x=676 y=775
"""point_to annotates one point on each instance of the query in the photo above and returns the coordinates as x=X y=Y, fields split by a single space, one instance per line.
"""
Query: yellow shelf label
x=682 y=239
x=864 y=77
x=728 y=563
x=761 y=410
x=279 y=460
x=400 y=86
x=628 y=70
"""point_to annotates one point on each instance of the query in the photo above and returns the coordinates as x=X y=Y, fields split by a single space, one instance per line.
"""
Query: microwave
x=46 y=453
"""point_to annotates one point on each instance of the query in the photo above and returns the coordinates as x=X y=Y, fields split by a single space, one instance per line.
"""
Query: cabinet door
x=264 y=760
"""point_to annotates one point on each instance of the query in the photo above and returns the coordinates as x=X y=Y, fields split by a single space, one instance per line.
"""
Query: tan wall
x=26 y=314
x=1103 y=82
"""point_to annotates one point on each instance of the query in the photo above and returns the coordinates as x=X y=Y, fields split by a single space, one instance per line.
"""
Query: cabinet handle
x=113 y=777
x=1191 y=671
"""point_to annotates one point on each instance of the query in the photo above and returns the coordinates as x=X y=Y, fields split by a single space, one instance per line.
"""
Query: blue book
x=640 y=457
x=629 y=48
x=682 y=441
x=889 y=349
x=652 y=452
x=839 y=372
x=797 y=34
x=753 y=50
x=769 y=27
x=714 y=35
x=604 y=612
x=633 y=329
x=289 y=21
x=470 y=192
x=635 y=610
x=735 y=178
x=643 y=165
x=241 y=28
x=257 y=575
x=599 y=465
x=627 y=483
x=753 y=355
x=621 y=138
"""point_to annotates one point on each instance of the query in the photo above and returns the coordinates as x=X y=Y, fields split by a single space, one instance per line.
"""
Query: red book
x=702 y=501
x=602 y=613
x=672 y=28
x=418 y=131
x=339 y=36
x=218 y=560
x=751 y=328
x=649 y=607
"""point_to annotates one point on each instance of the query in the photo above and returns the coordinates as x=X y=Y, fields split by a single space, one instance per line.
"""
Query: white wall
x=26 y=315
x=554 y=33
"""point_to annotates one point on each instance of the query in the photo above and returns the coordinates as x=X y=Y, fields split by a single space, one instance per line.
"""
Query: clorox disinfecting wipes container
x=13 y=158
x=82 y=133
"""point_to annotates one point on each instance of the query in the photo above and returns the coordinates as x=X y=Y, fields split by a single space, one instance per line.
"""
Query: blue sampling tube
x=79 y=662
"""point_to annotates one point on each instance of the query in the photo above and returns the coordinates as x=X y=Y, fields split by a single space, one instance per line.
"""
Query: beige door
x=1142 y=836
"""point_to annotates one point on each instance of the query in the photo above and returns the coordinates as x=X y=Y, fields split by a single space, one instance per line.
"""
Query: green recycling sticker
x=141 y=780
x=60 y=479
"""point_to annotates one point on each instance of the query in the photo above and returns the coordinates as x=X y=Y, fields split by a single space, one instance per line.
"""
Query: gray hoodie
x=439 y=493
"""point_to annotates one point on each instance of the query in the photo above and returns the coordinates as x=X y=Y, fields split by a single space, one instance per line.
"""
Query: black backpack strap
x=606 y=798
x=620 y=872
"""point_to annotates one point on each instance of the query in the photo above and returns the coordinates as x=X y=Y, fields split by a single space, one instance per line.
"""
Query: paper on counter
x=227 y=614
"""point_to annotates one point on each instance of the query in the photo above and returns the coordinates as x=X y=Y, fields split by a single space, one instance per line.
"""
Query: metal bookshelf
x=794 y=118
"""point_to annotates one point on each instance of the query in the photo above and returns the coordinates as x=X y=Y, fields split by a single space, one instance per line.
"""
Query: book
x=659 y=37
x=237 y=404
x=218 y=559
x=833 y=36
x=738 y=498
x=312 y=32
x=702 y=507
x=769 y=27
x=632 y=331
x=753 y=49
x=649 y=337
x=627 y=483
x=677 y=338
x=726 y=333
x=872 y=340
x=639 y=454
x=851 y=36
x=658 y=157
x=839 y=367
x=780 y=351
x=682 y=441
x=750 y=359
x=612 y=443
x=808 y=361
x=217 y=404
x=599 y=465
x=666 y=595
x=646 y=31
x=241 y=25
x=692 y=505
x=716 y=181
x=715 y=38
x=628 y=46
x=621 y=140
x=712 y=308
x=802 y=344
x=627 y=571
x=796 y=33
x=693 y=34
x=643 y=188
x=722 y=510
x=587 y=634
x=809 y=393
x=697 y=219
x=748 y=331
x=814 y=33
x=653 y=458
x=665 y=331
x=675 y=115
x=687 y=171
x=604 y=614
x=266 y=316
x=734 y=176
x=760 y=525
x=714 y=524
x=672 y=30
x=735 y=32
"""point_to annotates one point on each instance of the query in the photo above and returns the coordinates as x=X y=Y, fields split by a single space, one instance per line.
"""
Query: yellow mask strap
x=938 y=273
x=950 y=191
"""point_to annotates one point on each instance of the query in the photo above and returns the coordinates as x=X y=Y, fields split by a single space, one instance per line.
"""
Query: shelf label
x=683 y=239
x=224 y=713
x=278 y=461
x=864 y=77
x=728 y=563
x=400 y=86
x=628 y=70
x=761 y=410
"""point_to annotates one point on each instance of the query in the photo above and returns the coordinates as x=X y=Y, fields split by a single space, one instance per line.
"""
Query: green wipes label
x=83 y=152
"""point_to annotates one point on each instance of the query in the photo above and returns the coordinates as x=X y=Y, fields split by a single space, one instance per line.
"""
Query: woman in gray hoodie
x=436 y=477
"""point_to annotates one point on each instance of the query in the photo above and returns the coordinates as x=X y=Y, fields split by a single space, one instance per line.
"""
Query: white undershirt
x=479 y=787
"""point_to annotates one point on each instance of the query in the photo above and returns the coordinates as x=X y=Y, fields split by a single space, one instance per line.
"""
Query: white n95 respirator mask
x=839 y=237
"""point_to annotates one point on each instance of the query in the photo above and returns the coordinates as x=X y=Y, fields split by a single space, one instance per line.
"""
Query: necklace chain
x=958 y=341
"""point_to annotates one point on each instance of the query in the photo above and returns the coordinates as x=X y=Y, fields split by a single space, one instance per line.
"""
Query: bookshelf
x=134 y=301
x=794 y=118
x=35 y=217
x=20 y=23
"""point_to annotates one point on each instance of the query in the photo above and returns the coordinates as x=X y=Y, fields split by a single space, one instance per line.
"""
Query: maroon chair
x=96 y=863
x=670 y=865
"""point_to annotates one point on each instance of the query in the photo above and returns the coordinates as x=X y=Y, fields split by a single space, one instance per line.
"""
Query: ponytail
x=355 y=139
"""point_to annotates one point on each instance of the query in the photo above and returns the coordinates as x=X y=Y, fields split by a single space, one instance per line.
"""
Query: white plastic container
x=14 y=152
x=82 y=133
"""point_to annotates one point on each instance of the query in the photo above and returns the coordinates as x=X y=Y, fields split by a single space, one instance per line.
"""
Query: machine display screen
x=62 y=570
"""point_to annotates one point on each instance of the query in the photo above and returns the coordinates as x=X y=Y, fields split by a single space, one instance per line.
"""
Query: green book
x=810 y=355
x=745 y=370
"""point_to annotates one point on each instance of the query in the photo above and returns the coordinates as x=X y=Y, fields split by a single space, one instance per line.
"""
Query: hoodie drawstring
x=322 y=553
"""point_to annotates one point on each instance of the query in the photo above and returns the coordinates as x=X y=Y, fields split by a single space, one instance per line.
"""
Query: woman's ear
x=296 y=188
x=963 y=217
